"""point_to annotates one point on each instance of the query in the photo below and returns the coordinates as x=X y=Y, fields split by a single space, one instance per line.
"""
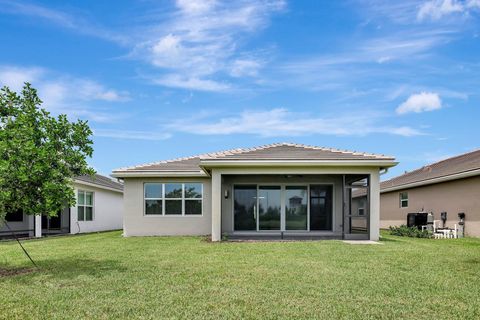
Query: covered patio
x=295 y=206
x=295 y=203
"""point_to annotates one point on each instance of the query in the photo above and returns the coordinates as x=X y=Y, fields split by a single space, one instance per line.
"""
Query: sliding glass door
x=283 y=207
x=269 y=207
x=321 y=207
x=296 y=208
x=245 y=208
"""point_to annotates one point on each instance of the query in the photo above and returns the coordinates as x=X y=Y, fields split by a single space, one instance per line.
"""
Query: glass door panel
x=321 y=205
x=356 y=207
x=296 y=208
x=358 y=225
x=269 y=207
x=245 y=203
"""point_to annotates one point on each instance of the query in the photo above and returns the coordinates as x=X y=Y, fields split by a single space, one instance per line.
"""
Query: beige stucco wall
x=136 y=223
x=453 y=197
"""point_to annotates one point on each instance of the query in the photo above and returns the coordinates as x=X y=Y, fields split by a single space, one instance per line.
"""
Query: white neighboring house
x=99 y=207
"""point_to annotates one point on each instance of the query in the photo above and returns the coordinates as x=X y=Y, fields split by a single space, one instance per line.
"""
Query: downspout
x=383 y=171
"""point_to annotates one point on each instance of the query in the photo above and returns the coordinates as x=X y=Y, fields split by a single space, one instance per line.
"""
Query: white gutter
x=451 y=177
x=157 y=173
x=205 y=164
x=96 y=185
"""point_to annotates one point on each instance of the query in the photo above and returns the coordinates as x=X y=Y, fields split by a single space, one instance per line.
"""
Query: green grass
x=105 y=276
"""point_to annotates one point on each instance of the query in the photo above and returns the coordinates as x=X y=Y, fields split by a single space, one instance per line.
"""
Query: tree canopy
x=39 y=155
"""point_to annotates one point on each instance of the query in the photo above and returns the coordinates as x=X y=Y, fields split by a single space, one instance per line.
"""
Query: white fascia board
x=154 y=174
x=89 y=184
x=297 y=163
x=433 y=181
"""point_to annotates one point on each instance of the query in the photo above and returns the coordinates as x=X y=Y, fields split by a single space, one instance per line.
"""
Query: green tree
x=39 y=155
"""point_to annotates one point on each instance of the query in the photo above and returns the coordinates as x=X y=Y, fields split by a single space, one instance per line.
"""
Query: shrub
x=413 y=232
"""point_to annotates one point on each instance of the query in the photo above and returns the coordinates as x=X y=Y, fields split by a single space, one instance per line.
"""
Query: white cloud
x=68 y=21
x=474 y=4
x=245 y=67
x=130 y=134
x=63 y=93
x=362 y=65
x=201 y=42
x=420 y=102
x=407 y=11
x=438 y=9
x=195 y=6
x=15 y=77
x=191 y=83
x=383 y=59
x=281 y=122
x=402 y=46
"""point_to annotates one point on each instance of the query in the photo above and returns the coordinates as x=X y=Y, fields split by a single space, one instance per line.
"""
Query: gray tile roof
x=286 y=151
x=458 y=164
x=101 y=181
x=277 y=151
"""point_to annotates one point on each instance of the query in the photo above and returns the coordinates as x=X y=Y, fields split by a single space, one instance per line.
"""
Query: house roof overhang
x=159 y=173
x=95 y=185
x=451 y=177
x=221 y=163
x=206 y=166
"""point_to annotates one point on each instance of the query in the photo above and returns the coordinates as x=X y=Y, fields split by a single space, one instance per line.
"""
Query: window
x=403 y=199
x=85 y=205
x=173 y=198
x=361 y=211
x=15 y=216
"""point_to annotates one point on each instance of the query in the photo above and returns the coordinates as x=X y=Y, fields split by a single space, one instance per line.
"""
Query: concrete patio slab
x=361 y=242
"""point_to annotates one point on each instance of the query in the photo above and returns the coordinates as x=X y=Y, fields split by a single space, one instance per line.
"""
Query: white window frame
x=164 y=199
x=86 y=205
x=403 y=200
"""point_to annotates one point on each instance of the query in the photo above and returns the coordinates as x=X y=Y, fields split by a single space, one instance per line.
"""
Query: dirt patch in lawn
x=14 y=272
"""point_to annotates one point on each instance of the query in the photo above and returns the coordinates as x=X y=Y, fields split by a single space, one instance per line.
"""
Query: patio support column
x=37 y=220
x=216 y=205
x=375 y=205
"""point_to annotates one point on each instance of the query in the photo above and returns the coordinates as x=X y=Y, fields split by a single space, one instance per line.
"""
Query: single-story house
x=281 y=190
x=451 y=185
x=98 y=207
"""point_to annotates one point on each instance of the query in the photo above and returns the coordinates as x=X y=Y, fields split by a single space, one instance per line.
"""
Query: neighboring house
x=278 y=190
x=98 y=207
x=451 y=185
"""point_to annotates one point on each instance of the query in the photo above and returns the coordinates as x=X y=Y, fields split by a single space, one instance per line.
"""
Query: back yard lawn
x=107 y=276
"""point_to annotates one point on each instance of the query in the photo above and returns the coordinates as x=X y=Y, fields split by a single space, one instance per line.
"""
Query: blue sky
x=163 y=79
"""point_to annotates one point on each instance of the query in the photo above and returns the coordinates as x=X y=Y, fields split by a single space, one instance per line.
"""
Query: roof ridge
x=291 y=144
x=241 y=150
x=337 y=150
